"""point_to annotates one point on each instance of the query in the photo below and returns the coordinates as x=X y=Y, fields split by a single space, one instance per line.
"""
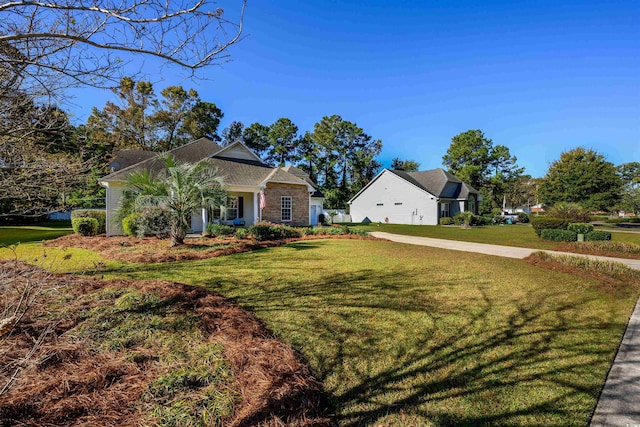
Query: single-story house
x=289 y=198
x=399 y=197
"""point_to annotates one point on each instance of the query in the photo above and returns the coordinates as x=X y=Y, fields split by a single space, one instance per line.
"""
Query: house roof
x=436 y=182
x=124 y=158
x=192 y=152
x=235 y=171
x=305 y=176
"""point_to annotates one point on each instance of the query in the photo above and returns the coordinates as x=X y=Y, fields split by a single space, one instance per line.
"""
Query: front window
x=472 y=204
x=286 y=204
x=444 y=210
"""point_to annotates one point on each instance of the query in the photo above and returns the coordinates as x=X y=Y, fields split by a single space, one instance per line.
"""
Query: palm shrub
x=179 y=188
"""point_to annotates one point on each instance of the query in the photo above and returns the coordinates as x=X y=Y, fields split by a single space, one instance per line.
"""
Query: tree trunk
x=177 y=235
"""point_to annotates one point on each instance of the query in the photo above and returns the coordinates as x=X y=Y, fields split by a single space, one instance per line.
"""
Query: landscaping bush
x=523 y=217
x=358 y=231
x=153 y=221
x=572 y=211
x=580 y=227
x=99 y=215
x=219 y=230
x=445 y=220
x=268 y=231
x=130 y=224
x=241 y=233
x=547 y=223
x=597 y=235
x=485 y=219
x=85 y=226
x=557 y=235
x=322 y=219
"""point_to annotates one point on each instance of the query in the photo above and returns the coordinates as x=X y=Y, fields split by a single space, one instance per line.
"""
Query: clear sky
x=538 y=76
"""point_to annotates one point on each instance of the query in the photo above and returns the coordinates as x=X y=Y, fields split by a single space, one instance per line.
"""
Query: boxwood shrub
x=268 y=231
x=130 y=224
x=543 y=223
x=597 y=235
x=85 y=226
x=580 y=227
x=219 y=230
x=446 y=220
x=558 y=235
x=100 y=215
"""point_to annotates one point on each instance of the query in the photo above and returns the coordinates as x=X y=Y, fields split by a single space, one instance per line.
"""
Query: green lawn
x=30 y=233
x=404 y=335
x=521 y=235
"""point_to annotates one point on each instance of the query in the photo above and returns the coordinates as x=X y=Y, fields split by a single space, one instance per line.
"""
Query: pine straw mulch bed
x=66 y=381
x=580 y=248
x=152 y=250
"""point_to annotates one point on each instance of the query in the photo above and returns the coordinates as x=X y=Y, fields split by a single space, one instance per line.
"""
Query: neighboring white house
x=288 y=198
x=399 y=197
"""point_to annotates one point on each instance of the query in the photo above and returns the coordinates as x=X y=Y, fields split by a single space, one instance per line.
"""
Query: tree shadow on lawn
x=389 y=350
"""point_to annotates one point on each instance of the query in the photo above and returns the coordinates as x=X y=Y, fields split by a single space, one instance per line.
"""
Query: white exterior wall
x=114 y=194
x=315 y=209
x=402 y=202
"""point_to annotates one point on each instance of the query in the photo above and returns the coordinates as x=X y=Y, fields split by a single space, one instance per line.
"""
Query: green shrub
x=241 y=233
x=557 y=235
x=609 y=246
x=85 y=226
x=485 y=219
x=597 y=235
x=580 y=227
x=445 y=220
x=219 y=230
x=153 y=221
x=358 y=231
x=268 y=231
x=523 y=217
x=99 y=215
x=547 y=223
x=572 y=211
x=130 y=224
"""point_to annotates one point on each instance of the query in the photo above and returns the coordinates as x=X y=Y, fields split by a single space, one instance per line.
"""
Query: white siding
x=315 y=209
x=114 y=193
x=391 y=197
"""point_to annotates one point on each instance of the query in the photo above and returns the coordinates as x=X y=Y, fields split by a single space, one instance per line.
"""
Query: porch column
x=205 y=220
x=256 y=208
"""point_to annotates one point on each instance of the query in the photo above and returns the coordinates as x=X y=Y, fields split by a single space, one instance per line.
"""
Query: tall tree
x=308 y=155
x=404 y=165
x=469 y=157
x=282 y=142
x=630 y=176
x=256 y=137
x=347 y=157
x=581 y=176
x=180 y=188
x=232 y=133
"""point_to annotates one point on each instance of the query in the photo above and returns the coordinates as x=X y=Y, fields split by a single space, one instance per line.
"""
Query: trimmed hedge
x=268 y=231
x=85 y=226
x=130 y=224
x=580 y=227
x=446 y=220
x=543 y=223
x=557 y=235
x=217 y=230
x=99 y=215
x=597 y=235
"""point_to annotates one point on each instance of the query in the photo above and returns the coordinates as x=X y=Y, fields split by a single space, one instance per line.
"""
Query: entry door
x=314 y=215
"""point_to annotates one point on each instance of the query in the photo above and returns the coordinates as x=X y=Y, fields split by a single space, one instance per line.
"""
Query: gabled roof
x=305 y=176
x=191 y=152
x=124 y=158
x=437 y=182
x=243 y=172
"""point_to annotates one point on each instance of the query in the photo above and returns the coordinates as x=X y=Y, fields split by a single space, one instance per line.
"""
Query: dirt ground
x=150 y=249
x=49 y=378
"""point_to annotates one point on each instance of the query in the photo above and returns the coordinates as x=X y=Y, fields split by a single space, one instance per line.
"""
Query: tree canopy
x=404 y=165
x=581 y=176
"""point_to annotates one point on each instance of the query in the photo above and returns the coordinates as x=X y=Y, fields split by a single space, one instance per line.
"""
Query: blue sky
x=540 y=77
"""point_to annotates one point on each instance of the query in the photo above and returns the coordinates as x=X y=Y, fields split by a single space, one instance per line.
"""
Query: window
x=234 y=209
x=398 y=203
x=286 y=204
x=444 y=210
x=472 y=204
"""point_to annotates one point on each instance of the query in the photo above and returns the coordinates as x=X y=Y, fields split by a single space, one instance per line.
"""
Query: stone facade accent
x=300 y=203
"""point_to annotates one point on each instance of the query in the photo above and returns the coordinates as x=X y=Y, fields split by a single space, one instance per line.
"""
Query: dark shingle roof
x=125 y=158
x=435 y=182
x=192 y=152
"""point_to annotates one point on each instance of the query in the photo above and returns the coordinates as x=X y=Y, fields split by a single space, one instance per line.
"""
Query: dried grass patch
x=74 y=378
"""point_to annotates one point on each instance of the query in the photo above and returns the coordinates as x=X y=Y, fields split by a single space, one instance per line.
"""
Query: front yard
x=403 y=335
